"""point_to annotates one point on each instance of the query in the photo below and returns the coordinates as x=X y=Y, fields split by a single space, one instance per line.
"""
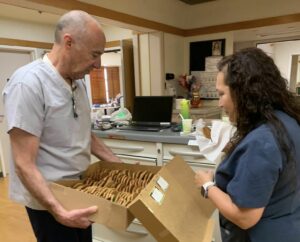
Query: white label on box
x=157 y=195
x=162 y=183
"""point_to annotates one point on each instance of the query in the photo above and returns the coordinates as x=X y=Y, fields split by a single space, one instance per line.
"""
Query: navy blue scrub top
x=257 y=175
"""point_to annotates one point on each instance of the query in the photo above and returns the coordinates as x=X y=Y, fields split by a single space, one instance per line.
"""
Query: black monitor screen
x=154 y=109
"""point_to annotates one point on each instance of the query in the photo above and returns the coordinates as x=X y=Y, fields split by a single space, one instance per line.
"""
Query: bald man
x=49 y=126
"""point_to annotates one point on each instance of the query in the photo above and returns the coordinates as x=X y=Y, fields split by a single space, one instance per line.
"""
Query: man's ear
x=68 y=40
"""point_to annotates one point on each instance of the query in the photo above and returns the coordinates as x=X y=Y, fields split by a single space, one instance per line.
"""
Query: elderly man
x=49 y=126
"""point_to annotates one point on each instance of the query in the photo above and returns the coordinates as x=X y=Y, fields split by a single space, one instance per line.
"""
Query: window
x=105 y=84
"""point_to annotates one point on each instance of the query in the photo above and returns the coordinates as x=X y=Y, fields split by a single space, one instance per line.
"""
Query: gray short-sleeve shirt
x=39 y=101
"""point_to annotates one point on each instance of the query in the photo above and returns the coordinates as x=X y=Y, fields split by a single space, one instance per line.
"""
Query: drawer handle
x=130 y=148
x=185 y=153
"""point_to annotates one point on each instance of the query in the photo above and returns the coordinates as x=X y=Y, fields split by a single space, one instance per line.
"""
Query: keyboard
x=140 y=128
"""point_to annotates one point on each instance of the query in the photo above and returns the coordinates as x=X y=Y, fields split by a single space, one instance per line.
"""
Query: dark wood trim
x=43 y=45
x=25 y=43
x=244 y=25
x=141 y=22
x=111 y=44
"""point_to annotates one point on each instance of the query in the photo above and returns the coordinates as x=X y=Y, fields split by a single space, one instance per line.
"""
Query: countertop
x=163 y=136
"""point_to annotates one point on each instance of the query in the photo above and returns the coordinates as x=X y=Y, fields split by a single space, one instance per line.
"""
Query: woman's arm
x=245 y=218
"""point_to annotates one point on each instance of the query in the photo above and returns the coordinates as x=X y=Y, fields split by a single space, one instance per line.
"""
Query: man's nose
x=97 y=63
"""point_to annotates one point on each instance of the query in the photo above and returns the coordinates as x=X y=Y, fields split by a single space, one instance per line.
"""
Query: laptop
x=151 y=113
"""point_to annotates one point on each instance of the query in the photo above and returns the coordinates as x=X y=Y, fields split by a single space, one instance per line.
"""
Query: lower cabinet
x=135 y=232
x=150 y=153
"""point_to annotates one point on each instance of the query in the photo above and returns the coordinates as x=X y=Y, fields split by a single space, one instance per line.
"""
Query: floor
x=14 y=224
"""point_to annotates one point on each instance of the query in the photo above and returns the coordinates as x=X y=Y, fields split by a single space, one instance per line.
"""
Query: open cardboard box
x=170 y=206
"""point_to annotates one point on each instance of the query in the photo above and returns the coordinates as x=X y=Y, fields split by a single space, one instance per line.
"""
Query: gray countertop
x=163 y=136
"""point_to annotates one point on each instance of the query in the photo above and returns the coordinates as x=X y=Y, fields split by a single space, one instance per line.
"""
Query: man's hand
x=76 y=218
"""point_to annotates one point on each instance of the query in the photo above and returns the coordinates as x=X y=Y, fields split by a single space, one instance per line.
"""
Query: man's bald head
x=76 y=23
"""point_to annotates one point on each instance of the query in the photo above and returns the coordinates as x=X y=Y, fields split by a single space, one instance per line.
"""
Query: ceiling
x=192 y=2
x=256 y=34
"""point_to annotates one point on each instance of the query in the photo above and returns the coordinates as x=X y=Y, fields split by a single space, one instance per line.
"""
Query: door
x=10 y=60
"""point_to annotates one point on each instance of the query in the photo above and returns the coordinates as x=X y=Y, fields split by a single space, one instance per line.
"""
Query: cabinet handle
x=130 y=148
x=185 y=153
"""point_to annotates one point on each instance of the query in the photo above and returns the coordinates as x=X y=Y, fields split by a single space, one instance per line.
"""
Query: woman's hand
x=202 y=177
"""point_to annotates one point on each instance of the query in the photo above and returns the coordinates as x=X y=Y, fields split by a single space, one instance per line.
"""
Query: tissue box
x=170 y=206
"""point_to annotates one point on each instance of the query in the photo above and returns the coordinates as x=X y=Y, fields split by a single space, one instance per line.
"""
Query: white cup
x=187 y=125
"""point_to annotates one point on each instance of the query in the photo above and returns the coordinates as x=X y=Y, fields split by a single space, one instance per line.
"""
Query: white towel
x=221 y=132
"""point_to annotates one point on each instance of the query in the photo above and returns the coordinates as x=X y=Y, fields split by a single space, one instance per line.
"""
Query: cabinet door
x=135 y=232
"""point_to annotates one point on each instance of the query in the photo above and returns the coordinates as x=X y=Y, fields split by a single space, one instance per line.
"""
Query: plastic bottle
x=185 y=108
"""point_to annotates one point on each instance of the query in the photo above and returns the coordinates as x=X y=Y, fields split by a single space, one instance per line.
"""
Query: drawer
x=189 y=153
x=133 y=148
x=138 y=159
x=202 y=166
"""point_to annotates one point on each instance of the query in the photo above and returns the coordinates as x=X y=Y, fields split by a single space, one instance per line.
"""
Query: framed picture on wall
x=201 y=49
x=216 y=48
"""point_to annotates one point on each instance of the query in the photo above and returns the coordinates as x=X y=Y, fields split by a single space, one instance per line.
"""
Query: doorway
x=10 y=60
x=285 y=55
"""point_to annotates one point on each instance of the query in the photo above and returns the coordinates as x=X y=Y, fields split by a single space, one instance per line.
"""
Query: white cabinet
x=135 y=232
x=146 y=153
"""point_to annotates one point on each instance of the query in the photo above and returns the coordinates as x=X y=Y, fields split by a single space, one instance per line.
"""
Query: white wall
x=26 y=30
x=169 y=12
x=114 y=33
x=17 y=29
x=111 y=59
x=268 y=48
x=230 y=11
x=283 y=52
x=174 y=54
x=179 y=14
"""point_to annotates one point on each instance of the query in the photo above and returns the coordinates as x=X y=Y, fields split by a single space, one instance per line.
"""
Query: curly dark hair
x=257 y=90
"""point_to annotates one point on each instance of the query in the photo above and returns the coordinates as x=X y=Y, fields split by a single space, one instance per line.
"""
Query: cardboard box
x=170 y=206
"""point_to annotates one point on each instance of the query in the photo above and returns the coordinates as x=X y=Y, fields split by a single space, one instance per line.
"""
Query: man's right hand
x=77 y=218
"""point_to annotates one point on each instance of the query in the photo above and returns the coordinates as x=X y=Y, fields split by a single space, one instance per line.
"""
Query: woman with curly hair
x=257 y=186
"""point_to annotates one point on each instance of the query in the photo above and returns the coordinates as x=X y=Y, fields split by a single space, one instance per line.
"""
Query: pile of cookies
x=120 y=186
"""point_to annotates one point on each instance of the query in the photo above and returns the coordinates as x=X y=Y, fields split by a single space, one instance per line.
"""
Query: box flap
x=171 y=206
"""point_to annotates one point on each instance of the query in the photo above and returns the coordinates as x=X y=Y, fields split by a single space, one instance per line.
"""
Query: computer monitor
x=152 y=110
